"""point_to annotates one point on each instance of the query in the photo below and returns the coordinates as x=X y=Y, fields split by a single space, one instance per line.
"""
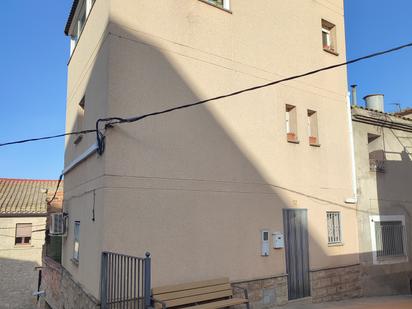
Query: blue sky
x=374 y=25
x=34 y=53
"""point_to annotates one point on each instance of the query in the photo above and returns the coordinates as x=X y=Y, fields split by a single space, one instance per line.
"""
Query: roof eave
x=70 y=18
x=44 y=214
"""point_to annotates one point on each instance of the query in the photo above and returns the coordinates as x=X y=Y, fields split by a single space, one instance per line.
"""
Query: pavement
x=387 y=302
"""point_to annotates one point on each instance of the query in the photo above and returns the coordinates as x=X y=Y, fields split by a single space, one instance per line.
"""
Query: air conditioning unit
x=58 y=225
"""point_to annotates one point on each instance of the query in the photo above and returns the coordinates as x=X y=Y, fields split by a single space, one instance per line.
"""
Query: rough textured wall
x=336 y=284
x=61 y=291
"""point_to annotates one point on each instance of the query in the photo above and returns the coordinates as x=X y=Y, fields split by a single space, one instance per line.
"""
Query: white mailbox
x=265 y=242
x=278 y=240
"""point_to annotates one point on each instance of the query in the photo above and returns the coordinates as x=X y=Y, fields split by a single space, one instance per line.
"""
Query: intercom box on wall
x=265 y=242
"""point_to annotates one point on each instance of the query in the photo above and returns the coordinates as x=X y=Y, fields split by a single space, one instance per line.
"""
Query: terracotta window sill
x=314 y=145
x=330 y=51
x=293 y=141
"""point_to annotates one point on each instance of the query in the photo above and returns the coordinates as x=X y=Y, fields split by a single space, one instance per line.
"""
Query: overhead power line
x=57 y=189
x=235 y=93
x=118 y=120
x=45 y=137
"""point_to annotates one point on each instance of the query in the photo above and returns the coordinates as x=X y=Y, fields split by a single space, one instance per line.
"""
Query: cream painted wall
x=18 y=277
x=195 y=187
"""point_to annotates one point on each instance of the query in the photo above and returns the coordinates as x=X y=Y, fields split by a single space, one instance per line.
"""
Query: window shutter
x=23 y=229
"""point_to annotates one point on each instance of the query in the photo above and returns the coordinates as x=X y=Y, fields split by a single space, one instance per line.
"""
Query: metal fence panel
x=125 y=281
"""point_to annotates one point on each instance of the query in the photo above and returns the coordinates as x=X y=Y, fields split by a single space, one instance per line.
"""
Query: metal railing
x=125 y=281
x=390 y=240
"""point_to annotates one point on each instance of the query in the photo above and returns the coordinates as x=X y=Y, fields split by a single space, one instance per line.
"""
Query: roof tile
x=25 y=196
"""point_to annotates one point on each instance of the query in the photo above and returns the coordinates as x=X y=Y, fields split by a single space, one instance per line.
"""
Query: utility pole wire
x=137 y=118
x=117 y=120
x=45 y=137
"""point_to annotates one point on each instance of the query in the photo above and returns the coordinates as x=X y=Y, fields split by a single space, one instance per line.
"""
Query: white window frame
x=388 y=260
x=226 y=4
x=75 y=35
x=76 y=241
x=288 y=129
x=339 y=215
x=328 y=37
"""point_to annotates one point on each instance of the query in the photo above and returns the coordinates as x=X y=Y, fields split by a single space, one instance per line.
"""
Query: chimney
x=354 y=97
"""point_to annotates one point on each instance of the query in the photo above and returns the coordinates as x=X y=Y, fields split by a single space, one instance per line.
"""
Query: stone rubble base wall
x=336 y=284
x=61 y=291
x=264 y=293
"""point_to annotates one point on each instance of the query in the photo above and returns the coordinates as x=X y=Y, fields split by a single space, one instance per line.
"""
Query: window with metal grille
x=334 y=227
x=389 y=239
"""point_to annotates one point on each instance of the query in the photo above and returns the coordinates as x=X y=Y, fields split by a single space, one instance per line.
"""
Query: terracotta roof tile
x=25 y=196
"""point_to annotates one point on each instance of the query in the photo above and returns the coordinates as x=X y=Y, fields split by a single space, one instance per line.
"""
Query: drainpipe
x=352 y=99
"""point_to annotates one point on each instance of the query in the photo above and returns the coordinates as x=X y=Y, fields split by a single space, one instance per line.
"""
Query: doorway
x=295 y=222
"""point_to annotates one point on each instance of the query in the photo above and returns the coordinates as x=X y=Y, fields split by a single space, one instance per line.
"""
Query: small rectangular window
x=376 y=153
x=76 y=241
x=79 y=22
x=313 y=128
x=291 y=124
x=329 y=36
x=80 y=120
x=334 y=227
x=23 y=234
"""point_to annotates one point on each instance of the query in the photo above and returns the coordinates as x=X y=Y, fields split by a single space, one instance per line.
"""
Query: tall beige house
x=257 y=187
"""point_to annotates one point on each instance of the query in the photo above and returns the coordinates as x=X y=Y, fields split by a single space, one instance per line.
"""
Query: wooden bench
x=209 y=294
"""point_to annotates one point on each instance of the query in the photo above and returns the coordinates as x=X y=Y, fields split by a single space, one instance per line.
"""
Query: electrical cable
x=45 y=137
x=55 y=192
x=117 y=120
x=235 y=93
